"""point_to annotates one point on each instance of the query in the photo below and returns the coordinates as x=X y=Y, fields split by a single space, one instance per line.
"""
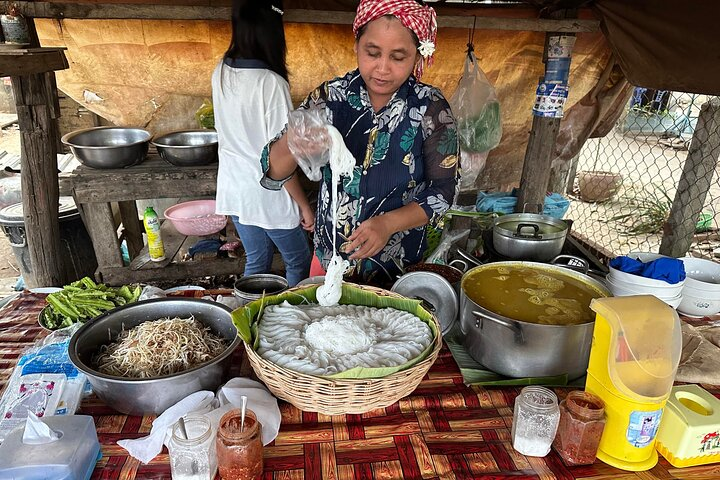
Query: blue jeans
x=259 y=247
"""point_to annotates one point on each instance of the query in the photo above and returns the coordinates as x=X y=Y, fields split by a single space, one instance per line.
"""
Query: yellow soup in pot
x=532 y=295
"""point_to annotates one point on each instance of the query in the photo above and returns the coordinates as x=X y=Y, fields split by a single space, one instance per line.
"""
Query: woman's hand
x=369 y=238
x=307 y=218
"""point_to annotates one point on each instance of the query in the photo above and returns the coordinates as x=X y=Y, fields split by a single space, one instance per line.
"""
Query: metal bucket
x=253 y=287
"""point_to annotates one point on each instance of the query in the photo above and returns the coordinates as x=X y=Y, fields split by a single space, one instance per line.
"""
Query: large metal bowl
x=187 y=148
x=136 y=396
x=109 y=147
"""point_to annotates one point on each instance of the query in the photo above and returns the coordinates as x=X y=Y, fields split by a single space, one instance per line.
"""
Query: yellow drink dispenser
x=635 y=352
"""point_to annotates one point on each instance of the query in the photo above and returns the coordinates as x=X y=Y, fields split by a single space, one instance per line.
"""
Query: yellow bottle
x=152 y=228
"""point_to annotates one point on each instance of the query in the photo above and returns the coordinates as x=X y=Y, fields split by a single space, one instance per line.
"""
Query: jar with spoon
x=192 y=449
x=239 y=445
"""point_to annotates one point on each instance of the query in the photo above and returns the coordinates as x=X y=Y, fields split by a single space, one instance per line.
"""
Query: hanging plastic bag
x=205 y=115
x=471 y=164
x=477 y=111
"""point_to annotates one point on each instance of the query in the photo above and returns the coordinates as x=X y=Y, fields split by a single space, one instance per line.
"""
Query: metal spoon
x=181 y=421
x=183 y=431
x=243 y=408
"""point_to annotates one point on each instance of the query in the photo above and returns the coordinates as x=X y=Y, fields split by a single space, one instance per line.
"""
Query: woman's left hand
x=369 y=238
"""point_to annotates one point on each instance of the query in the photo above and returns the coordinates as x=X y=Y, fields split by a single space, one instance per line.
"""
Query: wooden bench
x=95 y=191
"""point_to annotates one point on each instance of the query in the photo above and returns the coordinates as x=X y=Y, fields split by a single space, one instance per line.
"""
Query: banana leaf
x=247 y=319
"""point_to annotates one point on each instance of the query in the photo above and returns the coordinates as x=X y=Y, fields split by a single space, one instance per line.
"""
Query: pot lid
x=437 y=294
x=530 y=226
x=14 y=213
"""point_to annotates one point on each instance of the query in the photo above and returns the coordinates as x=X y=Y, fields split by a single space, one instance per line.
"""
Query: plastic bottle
x=152 y=228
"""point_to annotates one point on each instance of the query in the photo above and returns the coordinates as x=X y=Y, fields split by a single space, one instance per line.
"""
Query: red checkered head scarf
x=422 y=20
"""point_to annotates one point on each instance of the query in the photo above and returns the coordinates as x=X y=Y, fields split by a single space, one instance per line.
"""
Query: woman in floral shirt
x=402 y=135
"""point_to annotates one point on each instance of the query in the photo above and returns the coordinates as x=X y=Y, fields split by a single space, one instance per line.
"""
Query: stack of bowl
x=701 y=292
x=622 y=283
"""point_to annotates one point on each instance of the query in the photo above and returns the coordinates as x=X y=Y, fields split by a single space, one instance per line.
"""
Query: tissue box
x=689 y=432
x=71 y=457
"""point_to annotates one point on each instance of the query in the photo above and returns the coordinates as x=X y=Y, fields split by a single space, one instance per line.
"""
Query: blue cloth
x=259 y=244
x=670 y=270
x=555 y=205
x=208 y=245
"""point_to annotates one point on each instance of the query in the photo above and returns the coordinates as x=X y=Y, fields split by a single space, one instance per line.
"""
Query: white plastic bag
x=477 y=111
x=309 y=141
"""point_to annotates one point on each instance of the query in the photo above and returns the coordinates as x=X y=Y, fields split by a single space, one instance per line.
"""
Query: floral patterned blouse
x=406 y=152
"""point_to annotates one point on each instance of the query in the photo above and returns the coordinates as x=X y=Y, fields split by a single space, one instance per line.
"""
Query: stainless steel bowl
x=188 y=147
x=109 y=147
x=135 y=396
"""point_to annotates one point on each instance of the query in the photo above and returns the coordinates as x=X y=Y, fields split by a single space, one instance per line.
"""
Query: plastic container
x=582 y=420
x=535 y=421
x=633 y=359
x=690 y=431
x=196 y=217
x=154 y=237
x=77 y=252
x=193 y=458
x=71 y=457
x=240 y=450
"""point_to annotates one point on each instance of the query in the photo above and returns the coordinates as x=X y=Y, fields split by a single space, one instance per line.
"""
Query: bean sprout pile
x=160 y=347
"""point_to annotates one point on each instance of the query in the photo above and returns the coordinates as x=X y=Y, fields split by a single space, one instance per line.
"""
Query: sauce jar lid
x=437 y=294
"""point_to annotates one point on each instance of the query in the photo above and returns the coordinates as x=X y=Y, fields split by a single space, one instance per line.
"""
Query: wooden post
x=694 y=183
x=537 y=163
x=39 y=182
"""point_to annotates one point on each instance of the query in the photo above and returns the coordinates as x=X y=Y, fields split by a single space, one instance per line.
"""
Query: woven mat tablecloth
x=444 y=430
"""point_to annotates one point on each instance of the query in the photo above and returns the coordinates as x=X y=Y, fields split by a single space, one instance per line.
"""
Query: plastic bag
x=309 y=141
x=205 y=115
x=440 y=255
x=471 y=164
x=477 y=111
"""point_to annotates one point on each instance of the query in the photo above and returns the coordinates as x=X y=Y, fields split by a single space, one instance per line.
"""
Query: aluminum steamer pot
x=529 y=236
x=521 y=349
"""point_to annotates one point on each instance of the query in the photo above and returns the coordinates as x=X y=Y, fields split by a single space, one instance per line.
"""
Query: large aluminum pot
x=529 y=236
x=517 y=348
x=140 y=396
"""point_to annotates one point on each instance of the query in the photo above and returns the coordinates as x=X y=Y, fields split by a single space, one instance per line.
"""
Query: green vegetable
x=85 y=299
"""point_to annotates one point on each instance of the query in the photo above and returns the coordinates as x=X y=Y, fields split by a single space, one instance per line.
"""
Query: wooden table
x=95 y=190
x=443 y=430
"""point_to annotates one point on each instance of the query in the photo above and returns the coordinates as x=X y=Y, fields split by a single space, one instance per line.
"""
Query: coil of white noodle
x=319 y=340
x=342 y=163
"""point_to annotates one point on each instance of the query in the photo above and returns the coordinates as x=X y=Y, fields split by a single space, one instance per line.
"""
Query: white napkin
x=260 y=401
x=37 y=432
x=147 y=448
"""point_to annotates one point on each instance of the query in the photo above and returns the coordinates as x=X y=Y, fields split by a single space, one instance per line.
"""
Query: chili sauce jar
x=239 y=446
x=582 y=420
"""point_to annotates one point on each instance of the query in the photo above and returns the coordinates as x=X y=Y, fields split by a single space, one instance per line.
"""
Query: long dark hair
x=257 y=33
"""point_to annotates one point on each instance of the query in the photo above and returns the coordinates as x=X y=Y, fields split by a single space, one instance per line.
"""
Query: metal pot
x=141 y=396
x=252 y=287
x=522 y=349
x=529 y=236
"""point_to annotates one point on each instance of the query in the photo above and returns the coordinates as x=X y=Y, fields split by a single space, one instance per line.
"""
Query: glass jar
x=240 y=450
x=535 y=421
x=193 y=458
x=582 y=420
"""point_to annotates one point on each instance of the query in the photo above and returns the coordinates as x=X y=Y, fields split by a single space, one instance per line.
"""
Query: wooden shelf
x=18 y=62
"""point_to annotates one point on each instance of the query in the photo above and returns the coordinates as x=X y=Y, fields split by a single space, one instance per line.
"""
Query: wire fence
x=626 y=182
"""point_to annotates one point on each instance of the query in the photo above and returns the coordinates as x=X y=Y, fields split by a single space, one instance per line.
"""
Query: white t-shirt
x=250 y=109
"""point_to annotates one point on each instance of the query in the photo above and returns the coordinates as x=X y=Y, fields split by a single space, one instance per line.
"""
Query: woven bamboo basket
x=331 y=396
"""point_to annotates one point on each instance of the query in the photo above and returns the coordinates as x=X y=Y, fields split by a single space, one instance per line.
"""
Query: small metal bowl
x=109 y=147
x=187 y=148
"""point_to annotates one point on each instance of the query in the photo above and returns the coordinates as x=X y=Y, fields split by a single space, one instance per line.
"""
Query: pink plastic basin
x=196 y=217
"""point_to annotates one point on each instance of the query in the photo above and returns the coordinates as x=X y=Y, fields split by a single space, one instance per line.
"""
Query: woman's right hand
x=308 y=141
